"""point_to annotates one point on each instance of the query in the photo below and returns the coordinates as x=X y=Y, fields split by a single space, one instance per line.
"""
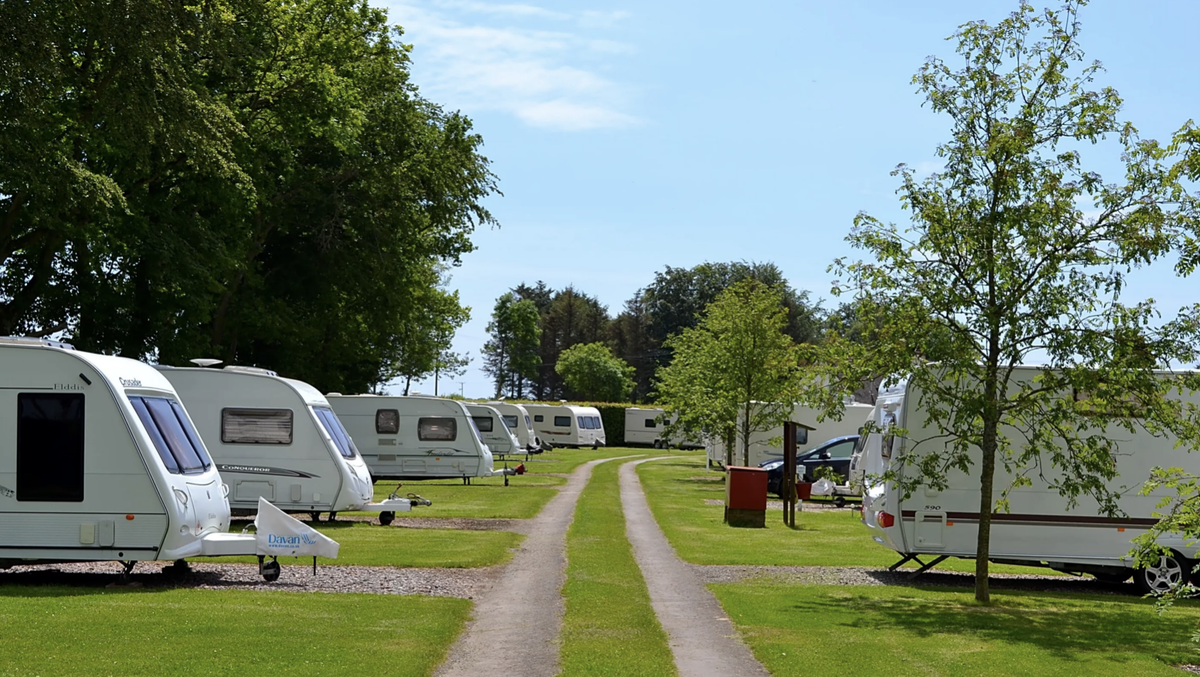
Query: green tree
x=735 y=373
x=1002 y=263
x=423 y=342
x=510 y=356
x=591 y=372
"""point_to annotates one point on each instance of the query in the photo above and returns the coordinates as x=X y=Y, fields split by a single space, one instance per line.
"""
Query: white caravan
x=1040 y=528
x=521 y=423
x=100 y=461
x=812 y=434
x=277 y=438
x=567 y=425
x=493 y=430
x=415 y=437
x=644 y=427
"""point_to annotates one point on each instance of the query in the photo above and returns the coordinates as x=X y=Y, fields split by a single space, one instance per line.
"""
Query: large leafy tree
x=1015 y=252
x=254 y=181
x=591 y=372
x=510 y=356
x=735 y=373
x=423 y=342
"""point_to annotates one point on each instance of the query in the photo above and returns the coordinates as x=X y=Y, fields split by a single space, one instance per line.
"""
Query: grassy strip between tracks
x=366 y=544
x=69 y=631
x=688 y=503
x=863 y=630
x=610 y=627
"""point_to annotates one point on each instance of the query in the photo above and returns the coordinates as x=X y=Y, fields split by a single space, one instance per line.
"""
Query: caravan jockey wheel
x=386 y=517
x=270 y=571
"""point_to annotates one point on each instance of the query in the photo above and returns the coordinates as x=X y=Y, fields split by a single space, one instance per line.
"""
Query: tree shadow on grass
x=1063 y=625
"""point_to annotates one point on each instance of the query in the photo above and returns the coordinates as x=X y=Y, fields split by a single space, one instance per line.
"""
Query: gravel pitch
x=868 y=576
x=297 y=577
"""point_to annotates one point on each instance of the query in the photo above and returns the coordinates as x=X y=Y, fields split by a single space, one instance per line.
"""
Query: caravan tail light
x=885 y=519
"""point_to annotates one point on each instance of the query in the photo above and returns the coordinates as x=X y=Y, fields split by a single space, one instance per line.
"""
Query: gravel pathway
x=517 y=621
x=299 y=577
x=702 y=638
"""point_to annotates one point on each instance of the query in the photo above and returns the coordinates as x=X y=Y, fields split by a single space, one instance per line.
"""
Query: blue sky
x=632 y=136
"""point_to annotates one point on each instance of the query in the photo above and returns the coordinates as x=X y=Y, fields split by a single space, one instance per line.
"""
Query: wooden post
x=787 y=486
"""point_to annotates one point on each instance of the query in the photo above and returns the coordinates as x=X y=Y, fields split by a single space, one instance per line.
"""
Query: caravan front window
x=50 y=447
x=175 y=440
x=333 y=426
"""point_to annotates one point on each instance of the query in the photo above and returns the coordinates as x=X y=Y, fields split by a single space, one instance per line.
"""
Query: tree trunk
x=730 y=443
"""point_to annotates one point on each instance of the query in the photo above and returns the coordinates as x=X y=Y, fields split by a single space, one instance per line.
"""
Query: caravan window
x=562 y=421
x=256 y=426
x=650 y=423
x=50 y=447
x=331 y=424
x=527 y=423
x=437 y=429
x=174 y=438
x=483 y=423
x=538 y=418
x=511 y=422
x=387 y=422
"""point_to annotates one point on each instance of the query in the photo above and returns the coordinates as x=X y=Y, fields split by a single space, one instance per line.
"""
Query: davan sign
x=277 y=541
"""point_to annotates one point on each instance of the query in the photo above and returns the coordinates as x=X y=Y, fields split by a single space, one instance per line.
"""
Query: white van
x=521 y=423
x=644 y=427
x=567 y=425
x=277 y=438
x=100 y=461
x=493 y=430
x=1040 y=528
x=415 y=437
x=768 y=446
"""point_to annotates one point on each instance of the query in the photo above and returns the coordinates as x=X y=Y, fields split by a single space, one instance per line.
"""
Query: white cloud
x=542 y=66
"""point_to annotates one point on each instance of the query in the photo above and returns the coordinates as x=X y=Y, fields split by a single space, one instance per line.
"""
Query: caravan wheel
x=1170 y=571
x=386 y=517
x=270 y=571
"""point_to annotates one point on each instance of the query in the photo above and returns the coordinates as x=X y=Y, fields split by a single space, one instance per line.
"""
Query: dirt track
x=703 y=640
x=517 y=621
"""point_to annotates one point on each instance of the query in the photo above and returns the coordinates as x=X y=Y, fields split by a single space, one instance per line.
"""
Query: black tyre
x=839 y=501
x=386 y=517
x=316 y=516
x=1172 y=569
x=270 y=571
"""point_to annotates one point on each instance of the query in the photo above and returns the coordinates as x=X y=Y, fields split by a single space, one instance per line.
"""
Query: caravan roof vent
x=250 y=370
x=205 y=362
x=35 y=341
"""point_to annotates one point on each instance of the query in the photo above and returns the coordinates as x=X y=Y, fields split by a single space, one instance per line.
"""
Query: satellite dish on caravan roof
x=205 y=362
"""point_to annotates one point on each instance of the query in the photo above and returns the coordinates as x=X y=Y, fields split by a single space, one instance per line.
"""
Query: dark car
x=834 y=453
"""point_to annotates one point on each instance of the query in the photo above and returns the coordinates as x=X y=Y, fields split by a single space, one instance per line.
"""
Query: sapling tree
x=735 y=373
x=1017 y=253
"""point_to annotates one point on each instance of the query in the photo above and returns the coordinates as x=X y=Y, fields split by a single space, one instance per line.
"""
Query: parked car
x=834 y=453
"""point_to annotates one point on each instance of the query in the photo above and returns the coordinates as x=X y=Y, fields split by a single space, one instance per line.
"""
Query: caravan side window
x=483 y=423
x=50 y=447
x=650 y=423
x=256 y=426
x=562 y=421
x=511 y=422
x=387 y=421
x=538 y=418
x=437 y=429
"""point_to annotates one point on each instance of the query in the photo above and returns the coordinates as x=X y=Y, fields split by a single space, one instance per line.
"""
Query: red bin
x=745 y=497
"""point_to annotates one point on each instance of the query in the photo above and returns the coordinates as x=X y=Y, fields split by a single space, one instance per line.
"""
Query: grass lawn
x=485 y=497
x=372 y=545
x=610 y=627
x=562 y=460
x=895 y=631
x=68 y=631
x=677 y=489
